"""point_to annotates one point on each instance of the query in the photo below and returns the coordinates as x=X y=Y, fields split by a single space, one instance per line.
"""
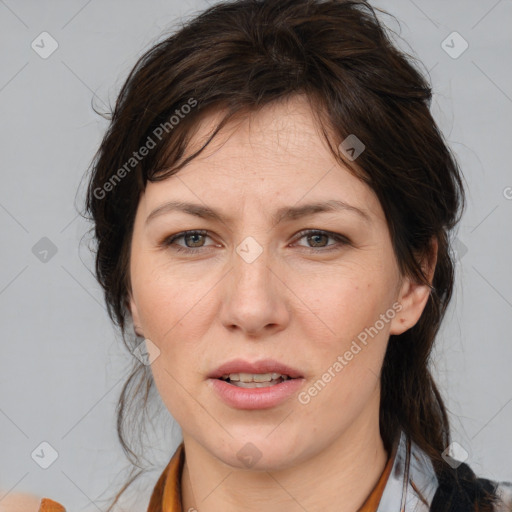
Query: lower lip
x=256 y=398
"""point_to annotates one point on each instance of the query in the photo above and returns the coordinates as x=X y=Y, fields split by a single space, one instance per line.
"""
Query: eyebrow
x=286 y=213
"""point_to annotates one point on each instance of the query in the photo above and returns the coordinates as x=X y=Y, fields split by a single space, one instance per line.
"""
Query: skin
x=302 y=301
x=18 y=502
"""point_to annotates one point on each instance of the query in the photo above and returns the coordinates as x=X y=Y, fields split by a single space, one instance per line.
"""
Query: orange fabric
x=48 y=505
x=172 y=492
x=166 y=496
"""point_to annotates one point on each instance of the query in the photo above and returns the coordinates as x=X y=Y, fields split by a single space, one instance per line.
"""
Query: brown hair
x=237 y=57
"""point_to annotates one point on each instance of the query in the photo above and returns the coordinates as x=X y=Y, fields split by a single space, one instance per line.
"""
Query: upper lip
x=262 y=366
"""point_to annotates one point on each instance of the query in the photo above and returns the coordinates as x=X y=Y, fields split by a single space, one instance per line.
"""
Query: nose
x=254 y=297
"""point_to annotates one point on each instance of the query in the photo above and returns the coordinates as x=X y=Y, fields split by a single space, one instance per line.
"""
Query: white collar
x=412 y=482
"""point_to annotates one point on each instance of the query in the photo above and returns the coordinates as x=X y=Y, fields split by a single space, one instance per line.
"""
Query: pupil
x=316 y=237
x=194 y=236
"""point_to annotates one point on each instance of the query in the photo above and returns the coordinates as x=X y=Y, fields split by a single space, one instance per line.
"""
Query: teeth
x=254 y=377
x=241 y=384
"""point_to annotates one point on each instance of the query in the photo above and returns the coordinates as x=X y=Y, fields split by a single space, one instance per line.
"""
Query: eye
x=193 y=240
x=317 y=237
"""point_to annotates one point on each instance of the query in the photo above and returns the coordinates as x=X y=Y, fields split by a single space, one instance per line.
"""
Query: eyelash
x=342 y=240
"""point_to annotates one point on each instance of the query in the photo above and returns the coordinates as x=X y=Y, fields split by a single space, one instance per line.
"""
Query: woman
x=272 y=204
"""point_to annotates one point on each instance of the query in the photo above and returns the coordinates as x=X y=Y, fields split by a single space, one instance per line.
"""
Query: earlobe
x=413 y=296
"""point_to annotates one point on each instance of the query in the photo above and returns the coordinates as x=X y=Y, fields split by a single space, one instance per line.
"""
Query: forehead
x=275 y=154
x=286 y=128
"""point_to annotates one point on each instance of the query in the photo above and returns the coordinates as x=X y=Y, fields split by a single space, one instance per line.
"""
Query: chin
x=260 y=451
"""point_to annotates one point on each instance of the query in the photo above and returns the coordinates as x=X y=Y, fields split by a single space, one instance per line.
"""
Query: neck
x=337 y=479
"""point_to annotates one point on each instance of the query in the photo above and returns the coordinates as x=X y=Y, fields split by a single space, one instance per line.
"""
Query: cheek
x=172 y=320
x=347 y=369
x=168 y=299
x=348 y=336
x=339 y=305
x=176 y=310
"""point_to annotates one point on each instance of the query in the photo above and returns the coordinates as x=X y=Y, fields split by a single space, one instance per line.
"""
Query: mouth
x=267 y=372
x=255 y=380
x=258 y=385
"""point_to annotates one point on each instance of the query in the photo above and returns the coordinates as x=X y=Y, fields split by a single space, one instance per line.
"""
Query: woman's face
x=255 y=288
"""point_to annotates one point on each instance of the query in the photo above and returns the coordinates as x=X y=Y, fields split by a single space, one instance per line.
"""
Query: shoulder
x=22 y=502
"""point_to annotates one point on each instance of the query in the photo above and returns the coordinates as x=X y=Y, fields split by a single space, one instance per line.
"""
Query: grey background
x=62 y=365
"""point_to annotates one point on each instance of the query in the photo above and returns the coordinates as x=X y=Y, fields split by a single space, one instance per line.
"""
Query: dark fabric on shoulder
x=461 y=491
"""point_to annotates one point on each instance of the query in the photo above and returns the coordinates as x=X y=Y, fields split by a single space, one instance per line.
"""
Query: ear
x=135 y=316
x=413 y=296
